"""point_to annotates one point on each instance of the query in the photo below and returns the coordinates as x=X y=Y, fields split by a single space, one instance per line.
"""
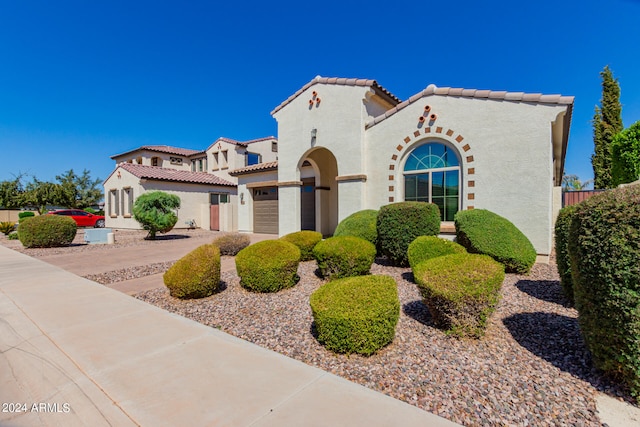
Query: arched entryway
x=319 y=191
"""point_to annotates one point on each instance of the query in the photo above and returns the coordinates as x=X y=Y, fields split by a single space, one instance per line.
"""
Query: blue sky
x=81 y=81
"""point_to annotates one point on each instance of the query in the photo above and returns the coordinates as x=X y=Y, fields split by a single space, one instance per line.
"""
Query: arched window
x=432 y=174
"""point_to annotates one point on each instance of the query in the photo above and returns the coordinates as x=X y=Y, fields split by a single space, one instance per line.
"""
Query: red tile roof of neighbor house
x=242 y=143
x=162 y=149
x=431 y=90
x=260 y=167
x=174 y=175
x=382 y=92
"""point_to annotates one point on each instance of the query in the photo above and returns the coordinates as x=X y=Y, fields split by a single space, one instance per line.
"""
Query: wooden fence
x=572 y=197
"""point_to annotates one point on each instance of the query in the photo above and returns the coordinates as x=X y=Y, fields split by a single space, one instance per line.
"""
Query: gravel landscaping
x=531 y=368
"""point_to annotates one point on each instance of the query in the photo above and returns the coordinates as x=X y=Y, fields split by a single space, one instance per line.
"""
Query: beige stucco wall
x=235 y=156
x=505 y=152
x=164 y=159
x=194 y=201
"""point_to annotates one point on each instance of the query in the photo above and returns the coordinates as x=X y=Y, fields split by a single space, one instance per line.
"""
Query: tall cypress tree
x=607 y=122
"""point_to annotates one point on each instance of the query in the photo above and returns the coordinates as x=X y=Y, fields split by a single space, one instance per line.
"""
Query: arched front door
x=324 y=210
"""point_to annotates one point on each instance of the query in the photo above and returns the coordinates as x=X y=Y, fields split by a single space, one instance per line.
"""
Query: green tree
x=11 y=193
x=155 y=212
x=573 y=183
x=607 y=122
x=80 y=189
x=625 y=155
x=40 y=194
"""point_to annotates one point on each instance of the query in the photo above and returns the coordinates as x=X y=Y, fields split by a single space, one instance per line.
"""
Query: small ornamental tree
x=155 y=212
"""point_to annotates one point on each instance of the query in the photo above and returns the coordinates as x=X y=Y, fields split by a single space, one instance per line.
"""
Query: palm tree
x=573 y=183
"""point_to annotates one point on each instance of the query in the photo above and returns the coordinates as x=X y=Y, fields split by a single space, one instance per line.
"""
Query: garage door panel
x=265 y=213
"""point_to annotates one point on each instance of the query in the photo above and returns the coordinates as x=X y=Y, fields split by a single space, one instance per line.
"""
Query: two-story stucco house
x=199 y=177
x=349 y=144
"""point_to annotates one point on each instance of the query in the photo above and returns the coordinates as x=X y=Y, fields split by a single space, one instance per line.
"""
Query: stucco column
x=288 y=207
x=351 y=194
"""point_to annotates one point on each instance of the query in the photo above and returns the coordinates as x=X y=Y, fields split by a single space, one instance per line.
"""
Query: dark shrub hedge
x=461 y=291
x=26 y=214
x=268 y=266
x=356 y=314
x=484 y=232
x=563 y=262
x=604 y=247
x=427 y=247
x=47 y=231
x=400 y=223
x=305 y=240
x=195 y=275
x=360 y=224
x=344 y=256
x=232 y=243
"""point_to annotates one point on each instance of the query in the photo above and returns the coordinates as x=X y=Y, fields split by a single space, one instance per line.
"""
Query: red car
x=82 y=218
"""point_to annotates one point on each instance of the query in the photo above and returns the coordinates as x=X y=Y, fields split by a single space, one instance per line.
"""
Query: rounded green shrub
x=400 y=223
x=13 y=236
x=305 y=240
x=344 y=256
x=47 y=231
x=356 y=314
x=232 y=243
x=427 y=247
x=268 y=266
x=195 y=275
x=461 y=291
x=360 y=224
x=25 y=214
x=563 y=262
x=604 y=248
x=483 y=232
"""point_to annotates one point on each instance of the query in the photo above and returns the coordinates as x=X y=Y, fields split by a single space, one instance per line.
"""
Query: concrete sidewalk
x=73 y=352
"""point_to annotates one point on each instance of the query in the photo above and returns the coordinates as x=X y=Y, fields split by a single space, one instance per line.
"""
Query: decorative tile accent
x=466 y=147
x=391 y=178
x=470 y=207
x=427 y=130
x=392 y=167
x=469 y=159
x=407 y=139
x=394 y=157
x=471 y=196
x=471 y=171
x=399 y=147
x=391 y=188
x=449 y=132
x=439 y=129
x=459 y=138
x=390 y=199
x=471 y=184
x=416 y=133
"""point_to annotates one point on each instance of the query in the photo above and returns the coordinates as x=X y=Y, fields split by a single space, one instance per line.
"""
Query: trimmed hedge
x=461 y=291
x=356 y=314
x=232 y=243
x=25 y=214
x=483 y=232
x=563 y=262
x=400 y=223
x=604 y=248
x=47 y=231
x=360 y=224
x=305 y=240
x=195 y=275
x=427 y=247
x=344 y=256
x=268 y=266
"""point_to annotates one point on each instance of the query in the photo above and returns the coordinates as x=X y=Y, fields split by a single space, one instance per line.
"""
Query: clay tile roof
x=384 y=93
x=537 y=98
x=242 y=143
x=174 y=175
x=260 y=167
x=162 y=149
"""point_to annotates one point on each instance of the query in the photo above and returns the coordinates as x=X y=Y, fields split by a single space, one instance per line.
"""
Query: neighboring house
x=200 y=178
x=349 y=144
